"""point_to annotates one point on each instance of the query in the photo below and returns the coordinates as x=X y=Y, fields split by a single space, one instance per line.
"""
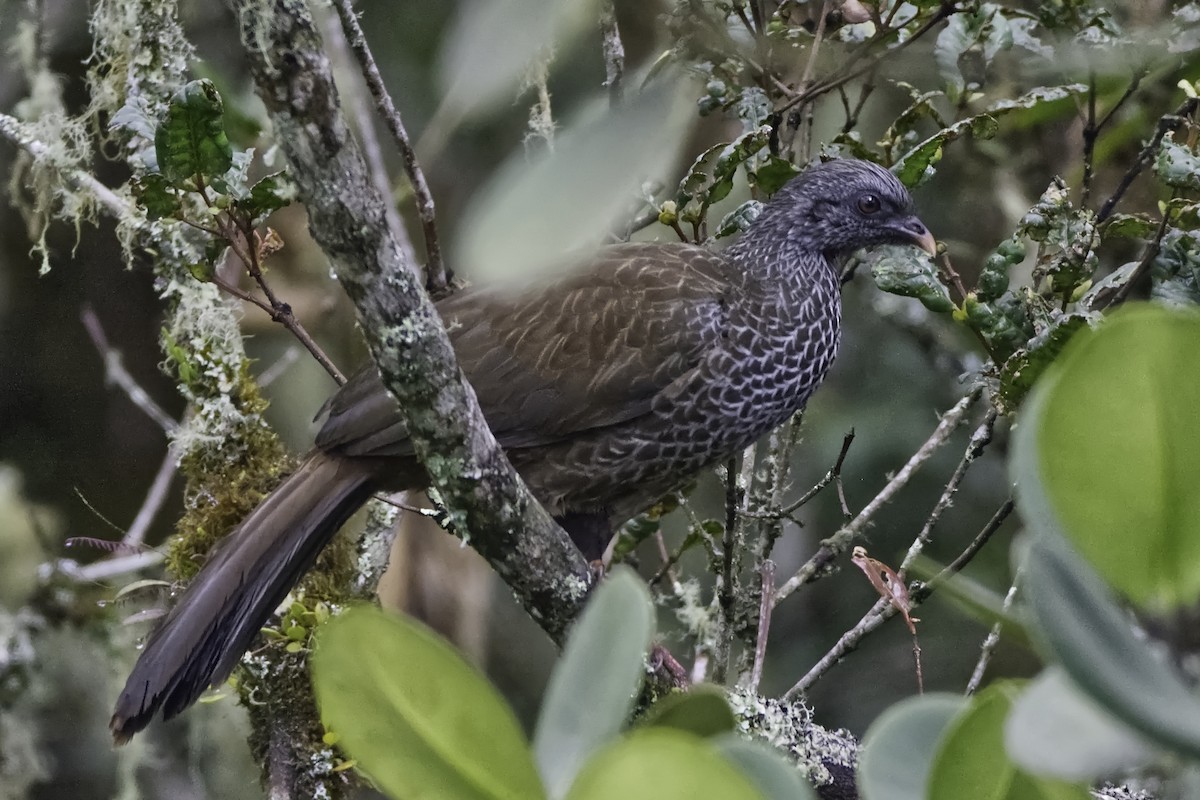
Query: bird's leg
x=589 y=530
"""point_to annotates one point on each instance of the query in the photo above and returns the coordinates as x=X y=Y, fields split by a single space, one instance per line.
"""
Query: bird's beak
x=914 y=230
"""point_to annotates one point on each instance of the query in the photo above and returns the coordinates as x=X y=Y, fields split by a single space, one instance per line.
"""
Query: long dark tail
x=204 y=636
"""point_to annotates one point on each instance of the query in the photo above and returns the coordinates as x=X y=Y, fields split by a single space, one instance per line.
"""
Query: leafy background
x=75 y=452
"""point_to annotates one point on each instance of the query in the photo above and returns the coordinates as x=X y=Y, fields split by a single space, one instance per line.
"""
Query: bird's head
x=843 y=205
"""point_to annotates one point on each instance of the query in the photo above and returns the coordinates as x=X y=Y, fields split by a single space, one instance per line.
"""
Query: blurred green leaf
x=1111 y=451
x=772 y=774
x=536 y=211
x=972 y=762
x=1057 y=731
x=190 y=140
x=595 y=683
x=702 y=710
x=897 y=752
x=1093 y=640
x=419 y=719
x=909 y=272
x=492 y=44
x=661 y=764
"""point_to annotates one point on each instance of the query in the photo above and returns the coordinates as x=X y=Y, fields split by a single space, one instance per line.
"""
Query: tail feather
x=203 y=637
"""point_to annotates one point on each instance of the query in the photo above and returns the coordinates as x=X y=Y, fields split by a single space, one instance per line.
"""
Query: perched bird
x=607 y=389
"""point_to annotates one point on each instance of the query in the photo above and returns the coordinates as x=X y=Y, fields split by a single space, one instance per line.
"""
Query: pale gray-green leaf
x=592 y=690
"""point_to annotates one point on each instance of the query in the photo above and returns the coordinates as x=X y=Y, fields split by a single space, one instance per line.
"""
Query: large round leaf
x=898 y=750
x=1108 y=451
x=972 y=762
x=1093 y=640
x=661 y=764
x=592 y=690
x=1054 y=729
x=775 y=777
x=417 y=717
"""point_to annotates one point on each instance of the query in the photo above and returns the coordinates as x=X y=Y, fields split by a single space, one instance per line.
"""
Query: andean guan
x=607 y=389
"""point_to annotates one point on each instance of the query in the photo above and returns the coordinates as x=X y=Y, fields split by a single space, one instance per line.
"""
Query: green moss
x=225 y=483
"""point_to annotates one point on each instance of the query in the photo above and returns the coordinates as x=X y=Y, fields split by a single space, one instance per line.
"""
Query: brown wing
x=589 y=351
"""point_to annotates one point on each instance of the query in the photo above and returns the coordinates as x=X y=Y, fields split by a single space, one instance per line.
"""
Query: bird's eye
x=869 y=204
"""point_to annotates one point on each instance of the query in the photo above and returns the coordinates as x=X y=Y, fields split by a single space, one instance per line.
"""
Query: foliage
x=1102 y=406
x=422 y=723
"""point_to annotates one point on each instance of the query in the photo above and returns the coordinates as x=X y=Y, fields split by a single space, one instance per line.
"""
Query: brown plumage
x=607 y=389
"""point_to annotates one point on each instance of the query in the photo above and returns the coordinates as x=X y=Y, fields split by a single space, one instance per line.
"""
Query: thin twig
x=767 y=588
x=1165 y=123
x=992 y=641
x=155 y=497
x=614 y=53
x=945 y=10
x=116 y=374
x=437 y=277
x=282 y=312
x=837 y=544
x=356 y=103
x=834 y=474
x=975 y=447
x=1147 y=260
x=884 y=609
x=109 y=567
x=814 y=48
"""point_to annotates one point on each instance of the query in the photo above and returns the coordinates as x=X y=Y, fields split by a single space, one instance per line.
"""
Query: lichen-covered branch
x=487 y=500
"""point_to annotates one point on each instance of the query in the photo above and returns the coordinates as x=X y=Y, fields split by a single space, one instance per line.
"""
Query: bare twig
x=364 y=123
x=109 y=567
x=992 y=640
x=837 y=544
x=767 y=588
x=281 y=365
x=814 y=48
x=1166 y=123
x=884 y=609
x=614 y=53
x=280 y=311
x=945 y=10
x=979 y=440
x=833 y=475
x=116 y=374
x=1147 y=260
x=437 y=277
x=153 y=502
x=1093 y=128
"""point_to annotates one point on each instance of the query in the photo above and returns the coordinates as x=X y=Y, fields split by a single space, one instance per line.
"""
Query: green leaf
x=271 y=193
x=417 y=717
x=738 y=220
x=493 y=43
x=190 y=140
x=1057 y=731
x=702 y=710
x=661 y=764
x=909 y=272
x=1177 y=165
x=915 y=166
x=898 y=750
x=772 y=774
x=156 y=194
x=1110 y=453
x=972 y=762
x=1093 y=641
x=593 y=688
x=535 y=211
x=1021 y=370
x=773 y=174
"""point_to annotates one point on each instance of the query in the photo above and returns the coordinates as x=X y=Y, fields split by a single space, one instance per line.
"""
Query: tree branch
x=487 y=499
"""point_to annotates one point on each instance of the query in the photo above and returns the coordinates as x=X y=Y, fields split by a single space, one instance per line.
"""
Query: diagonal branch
x=346 y=215
x=436 y=276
